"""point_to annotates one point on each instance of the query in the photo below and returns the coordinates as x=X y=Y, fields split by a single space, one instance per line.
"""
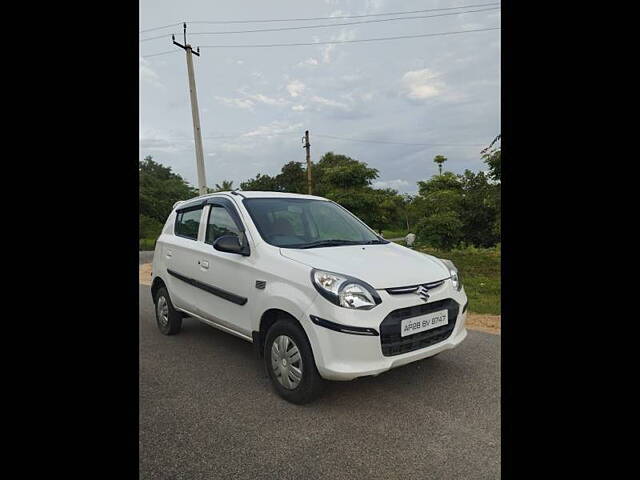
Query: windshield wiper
x=330 y=243
x=377 y=241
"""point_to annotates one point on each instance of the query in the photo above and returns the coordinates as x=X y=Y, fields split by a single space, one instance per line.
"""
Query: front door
x=227 y=279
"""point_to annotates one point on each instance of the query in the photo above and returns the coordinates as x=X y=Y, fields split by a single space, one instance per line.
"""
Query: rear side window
x=220 y=224
x=188 y=223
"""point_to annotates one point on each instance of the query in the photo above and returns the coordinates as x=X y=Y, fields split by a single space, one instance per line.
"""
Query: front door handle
x=169 y=253
x=204 y=264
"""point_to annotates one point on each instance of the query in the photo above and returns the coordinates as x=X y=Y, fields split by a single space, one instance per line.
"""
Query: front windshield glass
x=307 y=223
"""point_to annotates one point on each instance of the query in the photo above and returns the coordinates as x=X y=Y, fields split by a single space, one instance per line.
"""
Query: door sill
x=217 y=325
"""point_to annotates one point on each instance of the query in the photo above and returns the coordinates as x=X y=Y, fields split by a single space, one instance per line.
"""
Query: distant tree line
x=448 y=210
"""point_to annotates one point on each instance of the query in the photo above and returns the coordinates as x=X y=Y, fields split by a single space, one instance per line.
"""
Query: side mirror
x=228 y=243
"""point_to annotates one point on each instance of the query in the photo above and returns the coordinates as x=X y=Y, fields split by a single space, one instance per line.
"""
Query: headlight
x=455 y=275
x=345 y=291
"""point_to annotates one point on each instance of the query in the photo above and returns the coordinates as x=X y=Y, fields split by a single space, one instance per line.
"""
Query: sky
x=441 y=91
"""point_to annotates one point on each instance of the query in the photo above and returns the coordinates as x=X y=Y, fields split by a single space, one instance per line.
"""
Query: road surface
x=207 y=411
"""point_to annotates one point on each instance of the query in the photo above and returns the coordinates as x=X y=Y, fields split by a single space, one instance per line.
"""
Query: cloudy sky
x=255 y=103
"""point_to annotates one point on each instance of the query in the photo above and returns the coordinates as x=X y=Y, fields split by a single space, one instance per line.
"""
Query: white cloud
x=326 y=51
x=397 y=184
x=274 y=128
x=308 y=62
x=243 y=103
x=260 y=98
x=327 y=102
x=249 y=100
x=298 y=108
x=148 y=75
x=295 y=88
x=421 y=84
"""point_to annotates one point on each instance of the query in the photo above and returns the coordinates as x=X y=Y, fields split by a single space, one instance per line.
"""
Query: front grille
x=414 y=288
x=394 y=344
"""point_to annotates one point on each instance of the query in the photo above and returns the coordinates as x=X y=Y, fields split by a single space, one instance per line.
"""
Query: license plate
x=422 y=323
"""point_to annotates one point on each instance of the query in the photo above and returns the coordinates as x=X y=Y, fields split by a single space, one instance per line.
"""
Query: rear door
x=182 y=256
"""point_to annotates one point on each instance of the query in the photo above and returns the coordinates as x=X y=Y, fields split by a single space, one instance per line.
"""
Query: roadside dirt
x=145 y=274
x=475 y=321
x=484 y=323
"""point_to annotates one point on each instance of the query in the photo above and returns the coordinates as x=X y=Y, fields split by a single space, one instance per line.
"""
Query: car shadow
x=411 y=380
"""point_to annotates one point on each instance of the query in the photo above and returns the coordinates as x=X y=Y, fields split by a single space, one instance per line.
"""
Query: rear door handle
x=169 y=253
x=204 y=264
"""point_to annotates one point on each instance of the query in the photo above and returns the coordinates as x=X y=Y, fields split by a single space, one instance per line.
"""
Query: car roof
x=258 y=194
x=246 y=194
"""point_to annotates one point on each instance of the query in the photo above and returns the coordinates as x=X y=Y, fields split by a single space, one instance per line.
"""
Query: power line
x=328 y=25
x=251 y=135
x=222 y=22
x=344 y=16
x=160 y=53
x=160 y=28
x=400 y=143
x=334 y=42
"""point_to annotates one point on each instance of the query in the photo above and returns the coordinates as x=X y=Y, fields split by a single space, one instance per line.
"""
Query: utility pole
x=202 y=180
x=307 y=147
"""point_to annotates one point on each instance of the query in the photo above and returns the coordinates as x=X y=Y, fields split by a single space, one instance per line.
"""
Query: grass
x=147 y=244
x=394 y=233
x=480 y=272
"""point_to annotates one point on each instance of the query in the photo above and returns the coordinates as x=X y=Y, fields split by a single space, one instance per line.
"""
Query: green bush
x=149 y=227
x=442 y=230
x=147 y=244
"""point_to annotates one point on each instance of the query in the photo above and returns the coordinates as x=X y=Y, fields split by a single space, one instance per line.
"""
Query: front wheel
x=290 y=363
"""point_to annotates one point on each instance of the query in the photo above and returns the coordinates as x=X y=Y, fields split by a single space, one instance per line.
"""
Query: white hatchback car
x=318 y=293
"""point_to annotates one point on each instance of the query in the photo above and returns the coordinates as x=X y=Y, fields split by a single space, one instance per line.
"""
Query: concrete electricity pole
x=307 y=147
x=202 y=180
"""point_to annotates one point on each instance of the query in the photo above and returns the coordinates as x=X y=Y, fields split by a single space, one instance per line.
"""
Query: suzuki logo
x=423 y=292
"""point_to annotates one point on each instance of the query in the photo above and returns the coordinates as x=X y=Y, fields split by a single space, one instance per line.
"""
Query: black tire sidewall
x=175 y=319
x=311 y=382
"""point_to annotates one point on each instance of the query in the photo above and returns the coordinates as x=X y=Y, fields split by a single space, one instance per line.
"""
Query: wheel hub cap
x=286 y=362
x=163 y=311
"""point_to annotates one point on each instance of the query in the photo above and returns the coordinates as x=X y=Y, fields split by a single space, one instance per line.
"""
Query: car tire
x=285 y=377
x=168 y=319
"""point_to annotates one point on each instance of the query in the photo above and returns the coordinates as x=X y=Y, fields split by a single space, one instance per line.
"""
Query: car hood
x=382 y=266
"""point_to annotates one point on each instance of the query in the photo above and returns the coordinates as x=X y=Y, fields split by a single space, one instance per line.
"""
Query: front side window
x=220 y=224
x=307 y=223
x=188 y=223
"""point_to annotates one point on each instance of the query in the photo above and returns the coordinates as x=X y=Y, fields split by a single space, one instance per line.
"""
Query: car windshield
x=307 y=223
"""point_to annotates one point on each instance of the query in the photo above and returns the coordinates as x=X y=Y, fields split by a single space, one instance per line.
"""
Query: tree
x=226 y=186
x=262 y=183
x=479 y=213
x=440 y=159
x=445 y=181
x=492 y=156
x=334 y=172
x=292 y=178
x=440 y=200
x=159 y=190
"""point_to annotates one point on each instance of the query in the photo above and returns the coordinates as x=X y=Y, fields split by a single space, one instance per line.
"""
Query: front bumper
x=345 y=356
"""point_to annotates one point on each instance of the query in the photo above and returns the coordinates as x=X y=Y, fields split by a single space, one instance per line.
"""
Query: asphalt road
x=207 y=411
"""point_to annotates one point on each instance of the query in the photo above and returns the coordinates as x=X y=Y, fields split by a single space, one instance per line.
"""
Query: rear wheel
x=290 y=363
x=168 y=319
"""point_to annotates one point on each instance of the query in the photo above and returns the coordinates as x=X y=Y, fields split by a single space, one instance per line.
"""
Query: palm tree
x=440 y=159
x=227 y=185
